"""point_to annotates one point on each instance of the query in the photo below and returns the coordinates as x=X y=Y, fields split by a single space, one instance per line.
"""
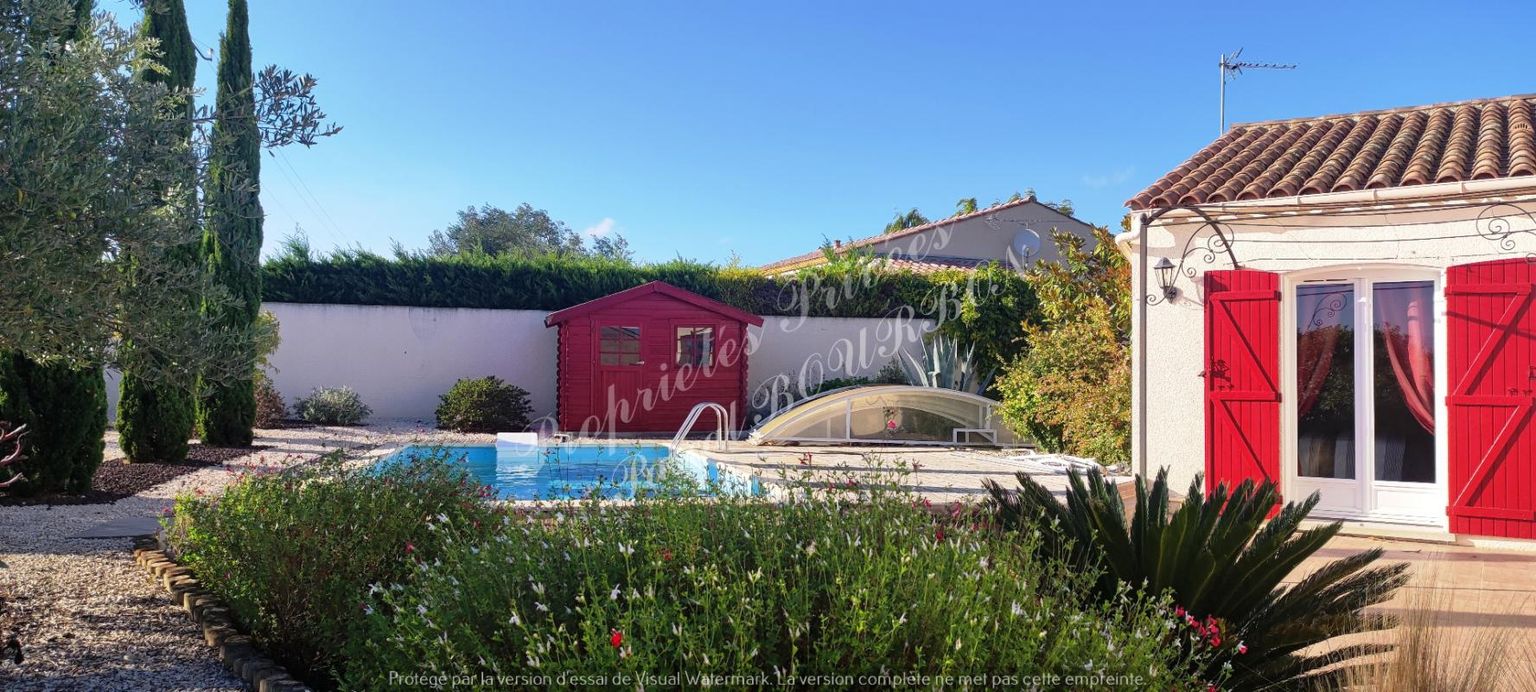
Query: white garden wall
x=401 y=359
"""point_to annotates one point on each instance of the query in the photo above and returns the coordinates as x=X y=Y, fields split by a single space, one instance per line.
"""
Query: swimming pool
x=579 y=470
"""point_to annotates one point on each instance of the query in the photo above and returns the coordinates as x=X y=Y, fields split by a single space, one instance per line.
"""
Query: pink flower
x=1242 y=648
x=939 y=534
x=1215 y=641
x=409 y=548
x=1178 y=611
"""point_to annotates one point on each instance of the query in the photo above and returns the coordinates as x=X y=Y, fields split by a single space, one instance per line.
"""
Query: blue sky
x=710 y=128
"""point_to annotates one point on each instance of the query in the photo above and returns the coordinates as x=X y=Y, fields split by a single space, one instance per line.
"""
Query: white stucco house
x=1343 y=304
x=1015 y=233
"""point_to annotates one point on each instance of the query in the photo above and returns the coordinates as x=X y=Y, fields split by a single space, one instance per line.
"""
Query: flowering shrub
x=333 y=406
x=820 y=589
x=293 y=553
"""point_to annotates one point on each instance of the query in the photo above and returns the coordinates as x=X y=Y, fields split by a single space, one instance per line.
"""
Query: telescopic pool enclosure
x=889 y=414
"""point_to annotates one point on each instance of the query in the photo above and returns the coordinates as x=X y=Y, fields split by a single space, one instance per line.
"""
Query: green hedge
x=556 y=282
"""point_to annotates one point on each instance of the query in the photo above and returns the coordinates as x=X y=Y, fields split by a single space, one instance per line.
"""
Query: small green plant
x=271 y=411
x=892 y=373
x=484 y=404
x=948 y=365
x=1223 y=565
x=333 y=406
x=294 y=554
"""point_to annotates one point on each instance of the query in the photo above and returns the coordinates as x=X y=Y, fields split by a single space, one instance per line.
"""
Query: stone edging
x=235 y=648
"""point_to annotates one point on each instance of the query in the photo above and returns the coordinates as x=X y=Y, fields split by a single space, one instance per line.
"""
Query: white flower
x=1017 y=610
x=538 y=588
x=901 y=620
x=540 y=607
x=442 y=517
x=810 y=549
x=614 y=594
x=367 y=610
x=958 y=643
x=626 y=550
x=421 y=610
x=514 y=620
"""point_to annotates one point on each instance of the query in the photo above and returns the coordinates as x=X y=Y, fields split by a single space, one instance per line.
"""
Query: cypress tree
x=154 y=419
x=232 y=238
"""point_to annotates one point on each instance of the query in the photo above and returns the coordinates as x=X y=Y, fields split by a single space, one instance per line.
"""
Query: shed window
x=696 y=346
x=619 y=346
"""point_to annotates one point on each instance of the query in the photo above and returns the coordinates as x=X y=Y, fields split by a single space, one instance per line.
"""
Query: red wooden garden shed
x=639 y=360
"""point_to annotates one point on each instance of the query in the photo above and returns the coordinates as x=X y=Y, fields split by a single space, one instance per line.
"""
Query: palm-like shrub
x=484 y=404
x=948 y=365
x=1223 y=565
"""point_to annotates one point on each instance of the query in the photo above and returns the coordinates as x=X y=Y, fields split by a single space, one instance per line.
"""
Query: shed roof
x=646 y=289
x=1438 y=143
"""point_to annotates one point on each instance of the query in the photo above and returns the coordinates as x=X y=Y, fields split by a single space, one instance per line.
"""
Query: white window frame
x=1369 y=494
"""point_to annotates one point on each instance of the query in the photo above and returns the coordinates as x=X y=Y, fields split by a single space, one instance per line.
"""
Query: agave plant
x=1220 y=560
x=947 y=365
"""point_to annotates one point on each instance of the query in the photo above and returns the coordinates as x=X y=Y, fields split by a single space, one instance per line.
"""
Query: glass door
x=1364 y=399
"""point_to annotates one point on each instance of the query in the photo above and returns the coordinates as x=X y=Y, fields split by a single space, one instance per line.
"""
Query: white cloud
x=1115 y=177
x=601 y=228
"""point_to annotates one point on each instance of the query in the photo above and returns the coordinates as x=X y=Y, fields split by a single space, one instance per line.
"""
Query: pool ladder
x=722 y=420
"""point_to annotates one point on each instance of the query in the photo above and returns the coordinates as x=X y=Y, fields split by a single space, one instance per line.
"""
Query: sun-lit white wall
x=1425 y=236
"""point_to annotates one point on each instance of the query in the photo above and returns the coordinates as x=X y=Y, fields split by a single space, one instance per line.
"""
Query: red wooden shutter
x=1242 y=367
x=1491 y=327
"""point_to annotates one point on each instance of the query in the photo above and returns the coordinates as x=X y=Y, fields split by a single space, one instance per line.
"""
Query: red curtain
x=1404 y=320
x=1322 y=311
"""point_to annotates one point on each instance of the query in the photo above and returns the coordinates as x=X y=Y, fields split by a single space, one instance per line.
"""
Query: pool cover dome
x=892 y=414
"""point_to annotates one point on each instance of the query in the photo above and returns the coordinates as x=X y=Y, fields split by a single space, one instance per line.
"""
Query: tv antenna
x=1231 y=66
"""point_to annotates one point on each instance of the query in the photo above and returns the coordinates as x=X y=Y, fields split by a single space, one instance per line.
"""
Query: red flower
x=1178 y=611
x=617 y=640
x=666 y=553
x=409 y=548
x=1242 y=648
x=939 y=534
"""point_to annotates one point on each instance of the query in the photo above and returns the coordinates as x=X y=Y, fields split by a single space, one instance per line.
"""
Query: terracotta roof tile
x=1472 y=140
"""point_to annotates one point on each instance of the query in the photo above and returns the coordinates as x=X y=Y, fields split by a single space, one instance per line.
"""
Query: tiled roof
x=1450 y=142
x=928 y=265
x=816 y=257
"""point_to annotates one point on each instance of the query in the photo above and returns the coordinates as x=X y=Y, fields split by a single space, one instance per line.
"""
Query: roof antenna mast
x=1231 y=67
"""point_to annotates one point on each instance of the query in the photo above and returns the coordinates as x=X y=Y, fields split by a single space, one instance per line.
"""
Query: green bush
x=294 y=553
x=1223 y=564
x=154 y=421
x=988 y=303
x=333 y=406
x=484 y=404
x=812 y=587
x=65 y=411
x=1070 y=391
x=271 y=411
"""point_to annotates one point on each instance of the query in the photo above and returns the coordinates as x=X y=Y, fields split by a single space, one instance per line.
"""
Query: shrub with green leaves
x=333 y=406
x=817 y=586
x=485 y=405
x=294 y=553
x=65 y=411
x=1223 y=564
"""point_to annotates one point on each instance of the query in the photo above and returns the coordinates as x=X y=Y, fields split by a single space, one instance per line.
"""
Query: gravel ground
x=89 y=618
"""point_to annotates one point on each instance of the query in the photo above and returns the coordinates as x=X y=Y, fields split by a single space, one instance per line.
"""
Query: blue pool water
x=580 y=470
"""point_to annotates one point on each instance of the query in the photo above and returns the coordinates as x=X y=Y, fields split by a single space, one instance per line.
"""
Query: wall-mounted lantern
x=1165 y=271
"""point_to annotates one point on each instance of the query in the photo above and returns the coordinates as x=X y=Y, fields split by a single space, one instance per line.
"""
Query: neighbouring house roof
x=645 y=289
x=1448 y=142
x=818 y=257
x=929 y=265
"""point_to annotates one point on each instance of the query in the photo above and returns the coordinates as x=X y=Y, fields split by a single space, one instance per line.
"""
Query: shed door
x=1491 y=327
x=621 y=375
x=1242 y=365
